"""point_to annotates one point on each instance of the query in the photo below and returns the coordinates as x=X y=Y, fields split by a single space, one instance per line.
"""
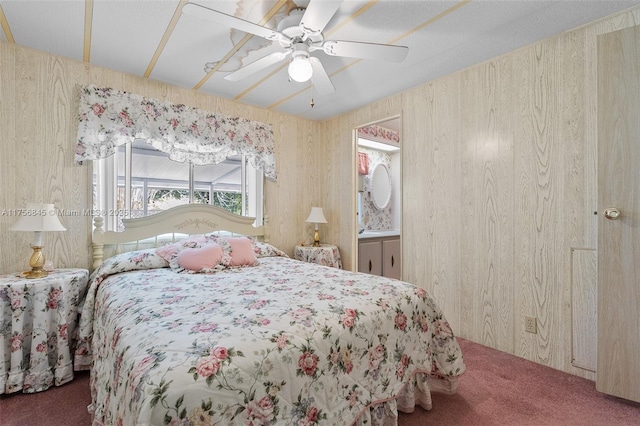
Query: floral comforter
x=283 y=342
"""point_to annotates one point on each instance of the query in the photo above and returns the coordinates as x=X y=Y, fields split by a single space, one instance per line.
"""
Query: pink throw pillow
x=197 y=259
x=167 y=252
x=242 y=253
x=170 y=250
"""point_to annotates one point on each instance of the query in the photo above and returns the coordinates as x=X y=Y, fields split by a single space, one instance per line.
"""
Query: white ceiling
x=153 y=38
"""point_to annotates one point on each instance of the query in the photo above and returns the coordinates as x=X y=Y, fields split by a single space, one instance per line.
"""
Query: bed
x=278 y=341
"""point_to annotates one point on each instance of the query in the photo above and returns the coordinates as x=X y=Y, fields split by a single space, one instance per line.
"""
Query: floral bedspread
x=283 y=342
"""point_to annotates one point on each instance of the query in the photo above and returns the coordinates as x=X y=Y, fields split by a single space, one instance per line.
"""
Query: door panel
x=618 y=366
x=370 y=257
x=391 y=266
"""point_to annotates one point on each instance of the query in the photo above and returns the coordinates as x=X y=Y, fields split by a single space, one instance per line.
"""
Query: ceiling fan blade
x=256 y=66
x=319 y=78
x=356 y=49
x=317 y=15
x=230 y=21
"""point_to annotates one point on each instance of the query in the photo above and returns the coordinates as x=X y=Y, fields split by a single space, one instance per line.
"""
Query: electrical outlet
x=530 y=325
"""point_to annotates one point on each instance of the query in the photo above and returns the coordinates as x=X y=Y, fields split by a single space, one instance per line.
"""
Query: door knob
x=612 y=213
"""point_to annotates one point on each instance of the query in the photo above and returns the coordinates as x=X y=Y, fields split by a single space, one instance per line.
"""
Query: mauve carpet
x=497 y=389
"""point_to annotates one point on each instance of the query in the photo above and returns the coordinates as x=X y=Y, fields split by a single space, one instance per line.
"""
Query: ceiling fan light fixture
x=298 y=33
x=300 y=69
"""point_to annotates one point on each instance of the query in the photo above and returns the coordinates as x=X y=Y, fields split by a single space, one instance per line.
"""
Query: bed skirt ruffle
x=416 y=392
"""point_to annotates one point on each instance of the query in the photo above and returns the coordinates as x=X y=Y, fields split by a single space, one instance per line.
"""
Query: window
x=140 y=180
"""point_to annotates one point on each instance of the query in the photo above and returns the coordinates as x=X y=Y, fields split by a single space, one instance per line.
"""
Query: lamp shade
x=38 y=217
x=316 y=215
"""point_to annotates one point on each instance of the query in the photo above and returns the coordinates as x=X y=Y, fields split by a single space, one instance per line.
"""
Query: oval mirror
x=380 y=186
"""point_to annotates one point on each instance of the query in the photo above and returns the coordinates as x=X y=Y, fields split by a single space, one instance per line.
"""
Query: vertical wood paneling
x=442 y=212
x=416 y=137
x=487 y=201
x=579 y=153
x=337 y=163
x=470 y=324
x=584 y=319
x=286 y=219
x=537 y=159
x=31 y=131
x=576 y=193
x=429 y=163
x=8 y=148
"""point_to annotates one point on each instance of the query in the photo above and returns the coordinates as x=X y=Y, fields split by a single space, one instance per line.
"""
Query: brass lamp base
x=316 y=239
x=36 y=262
x=35 y=273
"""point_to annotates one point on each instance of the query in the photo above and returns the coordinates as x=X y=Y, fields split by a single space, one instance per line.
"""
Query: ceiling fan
x=299 y=34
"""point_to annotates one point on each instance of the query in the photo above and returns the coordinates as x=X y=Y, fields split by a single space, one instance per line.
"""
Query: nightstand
x=325 y=254
x=38 y=320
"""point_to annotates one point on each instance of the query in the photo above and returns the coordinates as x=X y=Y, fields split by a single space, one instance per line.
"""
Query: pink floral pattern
x=109 y=118
x=325 y=254
x=371 y=217
x=267 y=250
x=379 y=133
x=259 y=345
x=38 y=322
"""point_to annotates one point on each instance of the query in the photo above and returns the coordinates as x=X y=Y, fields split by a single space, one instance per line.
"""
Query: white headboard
x=167 y=226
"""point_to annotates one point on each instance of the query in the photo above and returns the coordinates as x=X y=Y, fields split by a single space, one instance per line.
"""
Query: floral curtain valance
x=109 y=118
x=379 y=134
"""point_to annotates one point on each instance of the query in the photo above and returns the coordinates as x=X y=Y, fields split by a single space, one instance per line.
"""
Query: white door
x=618 y=370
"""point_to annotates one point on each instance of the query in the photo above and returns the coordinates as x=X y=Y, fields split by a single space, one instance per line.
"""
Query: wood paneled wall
x=499 y=186
x=38 y=125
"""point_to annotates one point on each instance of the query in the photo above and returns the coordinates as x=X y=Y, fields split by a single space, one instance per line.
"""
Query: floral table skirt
x=38 y=320
x=325 y=254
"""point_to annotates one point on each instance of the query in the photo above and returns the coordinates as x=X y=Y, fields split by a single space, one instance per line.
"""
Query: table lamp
x=316 y=216
x=38 y=218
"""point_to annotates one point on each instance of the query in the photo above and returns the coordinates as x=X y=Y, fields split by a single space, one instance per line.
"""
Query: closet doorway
x=379 y=198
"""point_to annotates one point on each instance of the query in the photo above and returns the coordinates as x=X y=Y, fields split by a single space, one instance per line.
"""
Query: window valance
x=109 y=118
x=379 y=134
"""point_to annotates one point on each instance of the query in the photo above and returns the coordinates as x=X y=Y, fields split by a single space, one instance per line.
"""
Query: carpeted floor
x=501 y=389
x=497 y=389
